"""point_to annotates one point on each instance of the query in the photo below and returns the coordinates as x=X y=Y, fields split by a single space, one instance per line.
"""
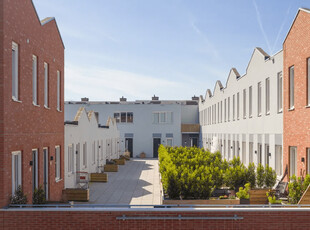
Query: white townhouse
x=145 y=124
x=88 y=144
x=244 y=118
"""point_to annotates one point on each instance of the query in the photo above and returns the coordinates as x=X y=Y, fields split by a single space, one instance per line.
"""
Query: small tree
x=38 y=196
x=260 y=176
x=270 y=177
x=295 y=189
x=19 y=197
x=251 y=175
x=244 y=192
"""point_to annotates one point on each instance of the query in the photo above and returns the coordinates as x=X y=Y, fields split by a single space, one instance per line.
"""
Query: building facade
x=244 y=117
x=88 y=145
x=296 y=53
x=143 y=125
x=31 y=102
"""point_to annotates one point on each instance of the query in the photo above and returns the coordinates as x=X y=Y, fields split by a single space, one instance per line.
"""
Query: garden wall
x=274 y=218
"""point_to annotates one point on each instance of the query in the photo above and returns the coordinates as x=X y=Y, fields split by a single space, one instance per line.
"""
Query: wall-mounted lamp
x=221 y=145
x=303 y=160
x=239 y=148
x=99 y=146
x=231 y=147
x=255 y=152
x=30 y=163
x=52 y=158
x=269 y=154
x=108 y=144
x=76 y=152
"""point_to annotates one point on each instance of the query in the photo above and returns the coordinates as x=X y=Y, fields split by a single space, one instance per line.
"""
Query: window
x=233 y=107
x=259 y=98
x=228 y=109
x=94 y=152
x=308 y=160
x=238 y=106
x=291 y=88
x=85 y=155
x=280 y=85
x=123 y=117
x=15 y=78
x=293 y=161
x=117 y=117
x=34 y=169
x=308 y=82
x=250 y=101
x=57 y=162
x=169 y=142
x=279 y=159
x=267 y=95
x=129 y=117
x=162 y=117
x=70 y=158
x=34 y=80
x=251 y=152
x=267 y=155
x=58 y=90
x=225 y=110
x=45 y=85
x=16 y=170
x=218 y=112
x=221 y=111
x=244 y=103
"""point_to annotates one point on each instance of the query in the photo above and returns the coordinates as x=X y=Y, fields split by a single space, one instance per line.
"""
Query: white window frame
x=279 y=159
x=280 y=92
x=291 y=87
x=259 y=98
x=169 y=139
x=57 y=163
x=238 y=105
x=225 y=109
x=85 y=155
x=244 y=103
x=94 y=152
x=16 y=174
x=160 y=120
x=250 y=102
x=70 y=158
x=267 y=88
x=15 y=72
x=58 y=91
x=234 y=106
x=35 y=167
x=308 y=160
x=46 y=85
x=293 y=160
x=228 y=109
x=308 y=81
x=34 y=80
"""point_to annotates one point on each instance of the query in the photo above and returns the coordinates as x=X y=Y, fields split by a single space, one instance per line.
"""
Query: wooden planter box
x=207 y=202
x=74 y=194
x=99 y=177
x=120 y=161
x=110 y=168
x=258 y=196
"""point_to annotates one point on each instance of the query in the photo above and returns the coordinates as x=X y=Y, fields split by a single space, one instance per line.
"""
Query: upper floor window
x=15 y=78
x=225 y=110
x=123 y=117
x=57 y=162
x=250 y=101
x=228 y=109
x=308 y=82
x=85 y=155
x=162 y=117
x=34 y=80
x=291 y=88
x=280 y=85
x=58 y=90
x=267 y=95
x=233 y=107
x=218 y=112
x=244 y=103
x=238 y=105
x=221 y=111
x=70 y=158
x=259 y=98
x=46 y=85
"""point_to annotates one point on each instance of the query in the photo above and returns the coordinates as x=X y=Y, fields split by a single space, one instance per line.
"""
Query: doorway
x=45 y=172
x=34 y=169
x=156 y=143
x=129 y=146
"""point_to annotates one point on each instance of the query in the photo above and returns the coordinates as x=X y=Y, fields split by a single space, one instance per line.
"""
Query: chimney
x=154 y=98
x=85 y=99
x=194 y=98
x=123 y=98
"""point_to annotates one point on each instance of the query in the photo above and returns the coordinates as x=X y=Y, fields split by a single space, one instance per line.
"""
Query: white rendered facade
x=145 y=124
x=245 y=117
x=88 y=145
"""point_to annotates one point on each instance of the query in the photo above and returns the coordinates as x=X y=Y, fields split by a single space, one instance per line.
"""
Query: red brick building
x=296 y=73
x=31 y=102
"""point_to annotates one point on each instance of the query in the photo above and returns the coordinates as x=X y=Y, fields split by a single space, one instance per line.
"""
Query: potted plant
x=19 y=197
x=272 y=197
x=38 y=196
x=243 y=194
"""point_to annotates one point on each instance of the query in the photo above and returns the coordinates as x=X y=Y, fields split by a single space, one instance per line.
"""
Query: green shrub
x=260 y=176
x=270 y=177
x=297 y=187
x=272 y=197
x=19 y=197
x=244 y=192
x=38 y=196
x=235 y=175
x=251 y=175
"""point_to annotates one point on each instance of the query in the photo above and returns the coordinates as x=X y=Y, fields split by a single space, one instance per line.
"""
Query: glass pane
x=162 y=117
x=117 y=117
x=123 y=117
x=129 y=117
x=155 y=118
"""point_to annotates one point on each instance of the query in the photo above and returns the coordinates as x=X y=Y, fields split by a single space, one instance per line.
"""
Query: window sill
x=58 y=180
x=280 y=111
x=307 y=106
x=268 y=113
x=291 y=109
x=46 y=107
x=250 y=116
x=59 y=111
x=15 y=100
x=259 y=115
x=36 y=105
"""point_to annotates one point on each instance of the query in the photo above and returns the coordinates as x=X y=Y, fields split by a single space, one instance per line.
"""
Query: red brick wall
x=296 y=127
x=25 y=126
x=107 y=220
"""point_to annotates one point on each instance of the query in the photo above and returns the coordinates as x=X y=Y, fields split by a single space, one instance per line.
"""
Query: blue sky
x=172 y=48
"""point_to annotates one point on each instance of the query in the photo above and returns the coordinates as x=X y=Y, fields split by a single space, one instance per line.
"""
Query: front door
x=156 y=143
x=129 y=146
x=34 y=169
x=45 y=172
x=194 y=142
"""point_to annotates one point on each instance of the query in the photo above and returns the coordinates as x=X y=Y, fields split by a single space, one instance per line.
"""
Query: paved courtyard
x=137 y=182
